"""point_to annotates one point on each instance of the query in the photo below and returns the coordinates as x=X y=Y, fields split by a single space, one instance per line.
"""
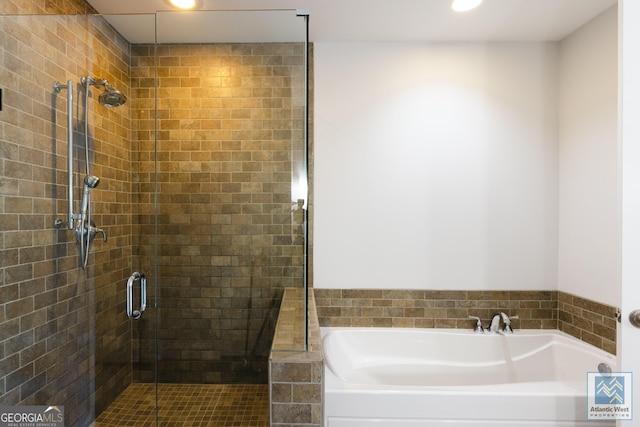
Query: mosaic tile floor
x=189 y=405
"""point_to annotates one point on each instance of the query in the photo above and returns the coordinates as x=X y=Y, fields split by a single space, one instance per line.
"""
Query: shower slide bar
x=136 y=314
x=81 y=223
x=58 y=87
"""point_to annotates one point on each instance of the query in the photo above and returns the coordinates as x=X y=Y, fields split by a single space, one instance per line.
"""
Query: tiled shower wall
x=64 y=340
x=230 y=125
x=44 y=7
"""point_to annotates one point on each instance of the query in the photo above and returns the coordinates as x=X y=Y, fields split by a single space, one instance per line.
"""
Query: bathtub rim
x=550 y=404
x=334 y=382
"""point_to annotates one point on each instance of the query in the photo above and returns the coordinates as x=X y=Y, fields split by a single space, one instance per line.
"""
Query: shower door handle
x=135 y=277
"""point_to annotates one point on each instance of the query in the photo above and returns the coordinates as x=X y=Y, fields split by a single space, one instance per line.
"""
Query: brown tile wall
x=589 y=321
x=64 y=339
x=229 y=236
x=296 y=378
x=45 y=7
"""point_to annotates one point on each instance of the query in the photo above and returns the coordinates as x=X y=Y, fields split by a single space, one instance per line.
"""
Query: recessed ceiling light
x=183 y=4
x=465 y=5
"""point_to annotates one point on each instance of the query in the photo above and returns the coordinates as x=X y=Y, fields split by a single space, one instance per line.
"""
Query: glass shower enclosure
x=228 y=163
x=203 y=193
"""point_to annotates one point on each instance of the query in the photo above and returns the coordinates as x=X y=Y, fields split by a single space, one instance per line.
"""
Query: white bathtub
x=393 y=377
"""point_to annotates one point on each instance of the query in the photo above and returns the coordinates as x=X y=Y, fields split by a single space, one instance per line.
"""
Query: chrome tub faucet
x=494 y=325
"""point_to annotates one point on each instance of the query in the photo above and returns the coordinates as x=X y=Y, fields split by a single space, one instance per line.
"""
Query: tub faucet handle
x=478 y=328
x=507 y=322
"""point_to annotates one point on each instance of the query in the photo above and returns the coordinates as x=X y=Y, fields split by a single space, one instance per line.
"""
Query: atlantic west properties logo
x=609 y=396
x=31 y=416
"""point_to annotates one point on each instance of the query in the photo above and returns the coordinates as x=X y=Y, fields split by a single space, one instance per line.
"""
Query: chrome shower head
x=111 y=97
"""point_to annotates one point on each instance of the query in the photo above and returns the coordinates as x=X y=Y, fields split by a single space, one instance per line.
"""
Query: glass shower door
x=231 y=186
x=226 y=172
x=65 y=337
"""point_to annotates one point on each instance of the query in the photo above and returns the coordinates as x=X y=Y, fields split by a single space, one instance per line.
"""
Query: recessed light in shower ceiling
x=183 y=4
x=465 y=5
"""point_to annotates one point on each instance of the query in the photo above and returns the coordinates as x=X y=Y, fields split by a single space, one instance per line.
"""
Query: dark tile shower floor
x=189 y=405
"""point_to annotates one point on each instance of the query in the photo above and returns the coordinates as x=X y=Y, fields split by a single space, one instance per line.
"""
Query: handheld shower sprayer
x=85 y=229
x=90 y=181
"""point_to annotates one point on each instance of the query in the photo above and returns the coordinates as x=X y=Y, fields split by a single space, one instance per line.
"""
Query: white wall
x=436 y=166
x=589 y=216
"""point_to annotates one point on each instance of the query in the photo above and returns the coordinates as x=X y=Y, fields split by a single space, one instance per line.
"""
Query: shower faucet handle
x=96 y=230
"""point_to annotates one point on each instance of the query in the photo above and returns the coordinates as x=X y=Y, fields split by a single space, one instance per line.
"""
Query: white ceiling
x=356 y=20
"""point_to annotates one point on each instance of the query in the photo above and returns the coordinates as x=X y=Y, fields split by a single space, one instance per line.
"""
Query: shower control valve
x=91 y=230
x=96 y=230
